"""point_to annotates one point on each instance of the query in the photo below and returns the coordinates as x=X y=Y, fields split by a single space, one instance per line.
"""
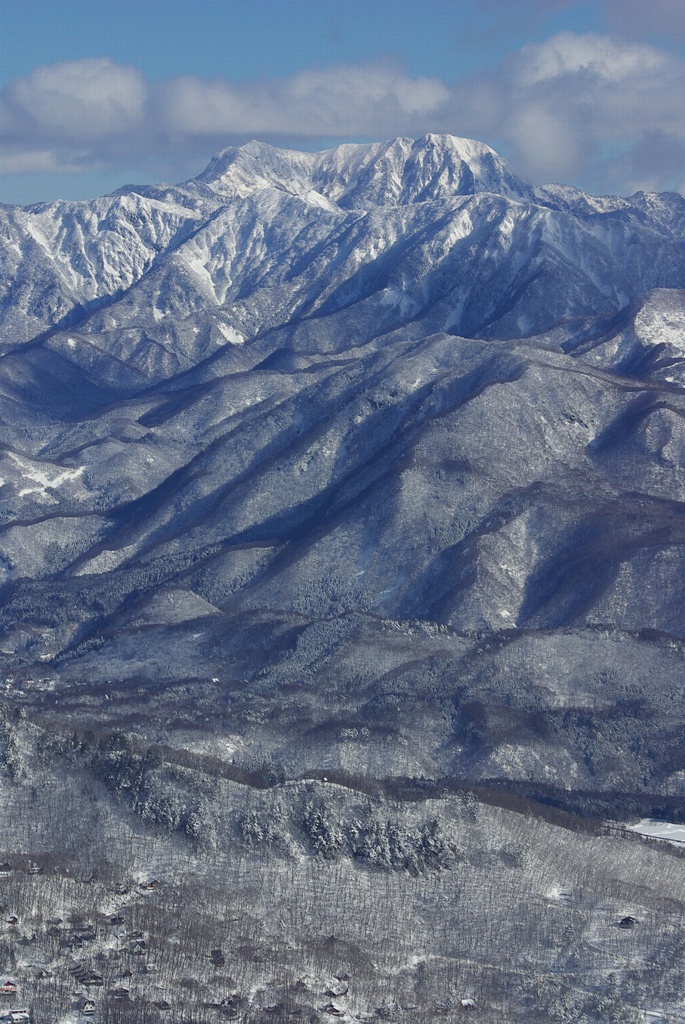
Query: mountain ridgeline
x=342 y=596
x=376 y=454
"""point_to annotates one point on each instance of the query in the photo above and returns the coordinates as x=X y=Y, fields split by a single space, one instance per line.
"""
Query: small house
x=87 y=1007
x=163 y=1005
x=120 y=993
x=337 y=988
x=627 y=922
x=334 y=1010
x=91 y=978
x=468 y=1004
x=20 y=1016
x=8 y=989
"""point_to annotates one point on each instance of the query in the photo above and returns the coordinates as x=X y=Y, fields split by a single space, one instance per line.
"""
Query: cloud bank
x=600 y=111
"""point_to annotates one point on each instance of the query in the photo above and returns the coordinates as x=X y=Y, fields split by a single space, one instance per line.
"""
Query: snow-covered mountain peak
x=241 y=170
x=440 y=164
x=331 y=248
x=399 y=172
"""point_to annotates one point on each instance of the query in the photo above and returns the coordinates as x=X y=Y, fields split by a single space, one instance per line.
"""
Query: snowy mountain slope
x=439 y=230
x=390 y=381
x=328 y=279
x=59 y=259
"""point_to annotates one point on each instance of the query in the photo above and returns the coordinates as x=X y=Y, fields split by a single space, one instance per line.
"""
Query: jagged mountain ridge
x=438 y=231
x=397 y=173
x=393 y=381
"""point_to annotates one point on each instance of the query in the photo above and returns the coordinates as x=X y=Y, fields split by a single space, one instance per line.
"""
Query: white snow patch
x=314 y=198
x=197 y=267
x=42 y=478
x=400 y=300
x=660 y=830
x=71 y=342
x=106 y=561
x=559 y=894
x=232 y=336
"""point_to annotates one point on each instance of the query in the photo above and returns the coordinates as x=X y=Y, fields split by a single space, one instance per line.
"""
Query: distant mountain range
x=386 y=423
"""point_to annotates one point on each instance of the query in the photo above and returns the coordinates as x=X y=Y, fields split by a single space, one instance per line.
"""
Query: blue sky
x=97 y=94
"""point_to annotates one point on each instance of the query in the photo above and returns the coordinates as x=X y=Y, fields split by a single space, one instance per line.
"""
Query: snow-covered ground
x=660 y=830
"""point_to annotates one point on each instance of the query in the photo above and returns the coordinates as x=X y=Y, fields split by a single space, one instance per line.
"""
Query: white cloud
x=342 y=101
x=545 y=143
x=588 y=109
x=598 y=56
x=191 y=106
x=583 y=108
x=421 y=95
x=86 y=99
x=25 y=161
x=94 y=112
